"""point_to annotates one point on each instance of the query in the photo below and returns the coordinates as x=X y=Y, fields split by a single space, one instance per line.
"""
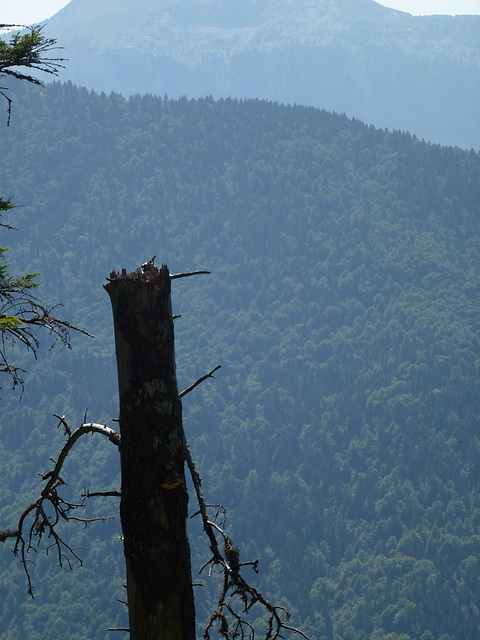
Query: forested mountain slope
x=341 y=433
x=420 y=74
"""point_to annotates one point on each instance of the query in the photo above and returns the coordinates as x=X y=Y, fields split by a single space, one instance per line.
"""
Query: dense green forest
x=341 y=433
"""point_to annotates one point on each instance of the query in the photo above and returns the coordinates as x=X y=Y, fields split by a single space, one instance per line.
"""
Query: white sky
x=30 y=11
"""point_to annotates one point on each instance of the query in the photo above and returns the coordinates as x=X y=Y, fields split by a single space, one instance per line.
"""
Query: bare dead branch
x=173 y=276
x=104 y=494
x=197 y=483
x=15 y=373
x=231 y=623
x=8 y=533
x=66 y=428
x=199 y=381
x=88 y=520
x=220 y=508
x=9 y=105
x=50 y=508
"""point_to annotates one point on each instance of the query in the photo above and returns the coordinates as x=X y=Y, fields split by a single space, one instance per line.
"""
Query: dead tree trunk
x=154 y=499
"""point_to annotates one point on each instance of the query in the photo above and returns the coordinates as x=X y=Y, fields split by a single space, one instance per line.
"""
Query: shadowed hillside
x=341 y=432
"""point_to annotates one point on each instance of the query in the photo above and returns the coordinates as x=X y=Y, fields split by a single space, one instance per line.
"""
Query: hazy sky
x=29 y=11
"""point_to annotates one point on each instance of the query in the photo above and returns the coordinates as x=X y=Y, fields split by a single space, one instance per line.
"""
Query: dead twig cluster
x=233 y=624
x=50 y=508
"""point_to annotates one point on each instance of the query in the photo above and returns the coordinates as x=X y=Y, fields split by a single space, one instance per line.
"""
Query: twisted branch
x=233 y=582
x=50 y=508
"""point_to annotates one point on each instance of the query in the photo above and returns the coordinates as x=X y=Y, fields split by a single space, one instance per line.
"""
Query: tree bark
x=153 y=507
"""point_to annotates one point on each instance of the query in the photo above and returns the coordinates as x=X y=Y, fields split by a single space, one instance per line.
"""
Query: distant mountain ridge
x=386 y=67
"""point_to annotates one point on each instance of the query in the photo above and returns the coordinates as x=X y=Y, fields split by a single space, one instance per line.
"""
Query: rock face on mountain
x=386 y=67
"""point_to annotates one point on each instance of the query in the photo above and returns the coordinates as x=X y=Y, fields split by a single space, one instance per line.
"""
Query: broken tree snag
x=153 y=506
